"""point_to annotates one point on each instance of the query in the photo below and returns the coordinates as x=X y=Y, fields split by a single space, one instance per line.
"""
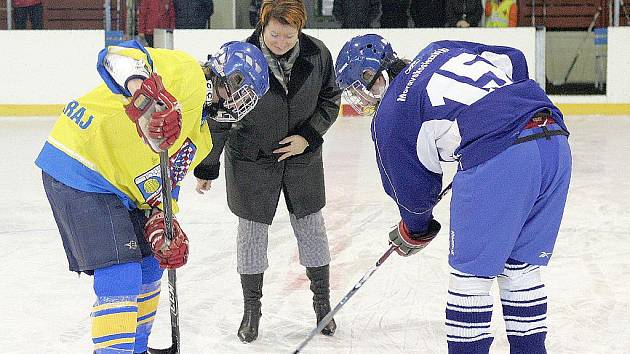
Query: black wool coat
x=254 y=177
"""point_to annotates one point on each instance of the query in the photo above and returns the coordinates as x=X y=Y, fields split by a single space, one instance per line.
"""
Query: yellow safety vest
x=499 y=14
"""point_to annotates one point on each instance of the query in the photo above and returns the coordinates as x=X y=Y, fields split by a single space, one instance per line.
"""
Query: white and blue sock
x=524 y=301
x=468 y=314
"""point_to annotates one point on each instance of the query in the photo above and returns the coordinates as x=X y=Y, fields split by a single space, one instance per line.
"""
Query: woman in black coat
x=277 y=147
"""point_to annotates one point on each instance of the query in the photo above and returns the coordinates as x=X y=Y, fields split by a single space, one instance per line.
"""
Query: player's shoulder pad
x=132 y=49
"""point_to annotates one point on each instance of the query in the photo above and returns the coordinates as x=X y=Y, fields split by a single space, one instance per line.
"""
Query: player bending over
x=475 y=105
x=103 y=182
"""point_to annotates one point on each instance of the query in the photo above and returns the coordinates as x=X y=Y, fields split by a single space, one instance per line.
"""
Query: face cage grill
x=241 y=102
x=362 y=100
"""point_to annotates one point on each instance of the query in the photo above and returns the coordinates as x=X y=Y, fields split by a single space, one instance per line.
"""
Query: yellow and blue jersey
x=94 y=146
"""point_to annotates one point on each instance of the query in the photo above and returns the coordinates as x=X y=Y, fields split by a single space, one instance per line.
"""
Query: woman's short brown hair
x=287 y=12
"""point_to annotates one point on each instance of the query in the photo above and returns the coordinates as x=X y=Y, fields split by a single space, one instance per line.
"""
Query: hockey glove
x=409 y=243
x=174 y=255
x=156 y=113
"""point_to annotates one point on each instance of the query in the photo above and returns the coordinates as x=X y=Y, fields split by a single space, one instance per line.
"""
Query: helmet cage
x=241 y=70
x=361 y=63
x=241 y=99
x=361 y=96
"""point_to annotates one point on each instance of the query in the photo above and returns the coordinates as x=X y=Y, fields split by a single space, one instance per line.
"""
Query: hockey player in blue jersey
x=475 y=105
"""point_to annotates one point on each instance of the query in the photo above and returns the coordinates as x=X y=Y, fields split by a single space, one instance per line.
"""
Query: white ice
x=44 y=308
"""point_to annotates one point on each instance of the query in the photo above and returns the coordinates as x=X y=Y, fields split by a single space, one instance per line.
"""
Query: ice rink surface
x=45 y=309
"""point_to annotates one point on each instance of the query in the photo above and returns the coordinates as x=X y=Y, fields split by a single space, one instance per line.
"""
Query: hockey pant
x=127 y=297
x=469 y=310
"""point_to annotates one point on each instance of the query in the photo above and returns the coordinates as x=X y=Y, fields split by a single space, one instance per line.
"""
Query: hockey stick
x=357 y=286
x=172 y=279
x=579 y=50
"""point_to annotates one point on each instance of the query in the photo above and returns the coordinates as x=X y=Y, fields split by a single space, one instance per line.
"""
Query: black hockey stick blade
x=172 y=350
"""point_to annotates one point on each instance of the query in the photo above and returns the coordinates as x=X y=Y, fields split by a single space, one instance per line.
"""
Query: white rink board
x=618 y=83
x=52 y=67
x=48 y=67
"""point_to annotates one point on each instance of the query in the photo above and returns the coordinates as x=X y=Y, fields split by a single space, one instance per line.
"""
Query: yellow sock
x=147 y=306
x=114 y=324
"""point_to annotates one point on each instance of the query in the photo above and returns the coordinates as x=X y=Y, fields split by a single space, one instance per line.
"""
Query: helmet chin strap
x=216 y=110
x=385 y=86
x=231 y=109
x=382 y=71
x=211 y=90
x=219 y=112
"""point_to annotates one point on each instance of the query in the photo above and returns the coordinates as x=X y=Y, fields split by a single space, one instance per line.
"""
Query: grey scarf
x=281 y=67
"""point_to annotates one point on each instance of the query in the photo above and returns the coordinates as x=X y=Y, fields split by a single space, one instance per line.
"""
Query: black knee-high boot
x=320 y=286
x=252 y=292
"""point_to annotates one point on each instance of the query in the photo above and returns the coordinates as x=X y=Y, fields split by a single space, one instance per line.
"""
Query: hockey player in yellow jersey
x=101 y=174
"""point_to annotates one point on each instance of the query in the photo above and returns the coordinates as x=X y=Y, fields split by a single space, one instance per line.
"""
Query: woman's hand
x=203 y=185
x=296 y=145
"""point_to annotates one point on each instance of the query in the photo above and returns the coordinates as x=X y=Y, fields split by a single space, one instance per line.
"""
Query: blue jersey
x=456 y=101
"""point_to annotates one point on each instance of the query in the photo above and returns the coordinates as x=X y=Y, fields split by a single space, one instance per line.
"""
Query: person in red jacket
x=155 y=14
x=28 y=9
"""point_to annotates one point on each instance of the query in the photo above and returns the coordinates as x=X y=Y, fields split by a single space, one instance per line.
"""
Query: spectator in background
x=501 y=13
x=463 y=13
x=193 y=14
x=394 y=13
x=427 y=13
x=155 y=14
x=356 y=13
x=25 y=10
x=254 y=12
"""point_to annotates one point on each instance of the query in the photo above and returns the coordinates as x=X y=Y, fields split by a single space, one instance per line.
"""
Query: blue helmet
x=241 y=68
x=366 y=52
x=359 y=63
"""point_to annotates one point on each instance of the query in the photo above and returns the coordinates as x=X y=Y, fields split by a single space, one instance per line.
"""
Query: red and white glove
x=176 y=254
x=409 y=243
x=156 y=113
